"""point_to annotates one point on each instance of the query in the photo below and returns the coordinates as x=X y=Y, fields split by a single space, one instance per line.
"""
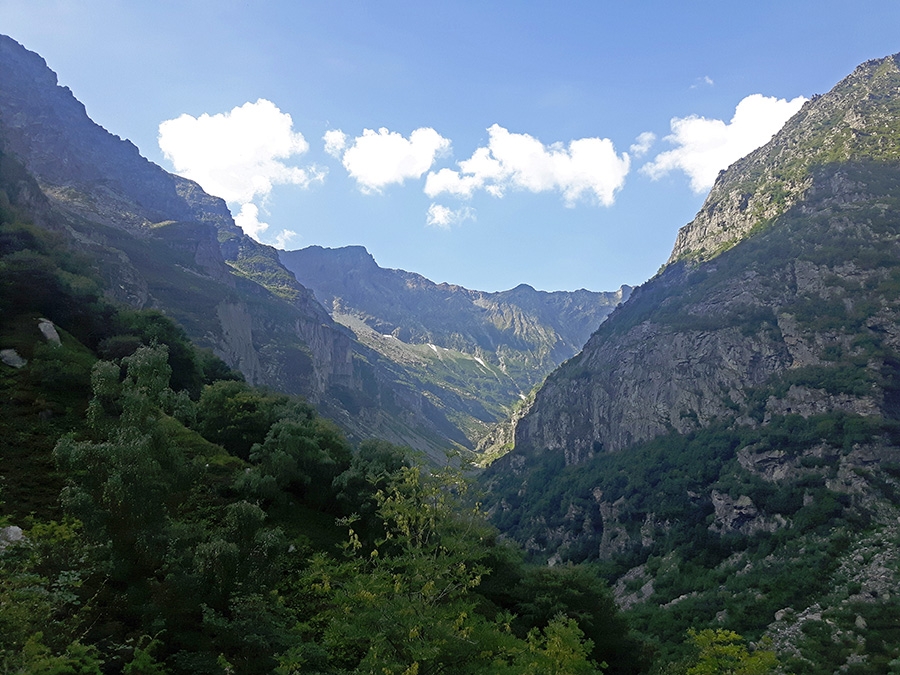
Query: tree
x=407 y=604
x=235 y=415
x=723 y=652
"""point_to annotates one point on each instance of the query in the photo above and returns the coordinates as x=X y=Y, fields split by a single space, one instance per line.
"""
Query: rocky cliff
x=801 y=229
x=734 y=425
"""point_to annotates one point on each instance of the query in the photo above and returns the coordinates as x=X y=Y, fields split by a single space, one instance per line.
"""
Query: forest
x=160 y=515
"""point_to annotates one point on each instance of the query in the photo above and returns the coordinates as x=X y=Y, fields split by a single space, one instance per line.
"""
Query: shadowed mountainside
x=734 y=425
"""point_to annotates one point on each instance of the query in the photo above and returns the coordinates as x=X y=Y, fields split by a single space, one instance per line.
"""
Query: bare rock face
x=740 y=515
x=645 y=384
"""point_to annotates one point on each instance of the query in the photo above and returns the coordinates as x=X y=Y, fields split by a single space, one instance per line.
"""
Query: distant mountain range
x=476 y=353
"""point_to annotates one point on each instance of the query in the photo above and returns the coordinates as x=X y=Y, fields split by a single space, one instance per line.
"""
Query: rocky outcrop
x=740 y=516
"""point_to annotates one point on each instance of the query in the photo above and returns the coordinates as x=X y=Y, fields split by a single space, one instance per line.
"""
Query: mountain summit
x=158 y=241
x=475 y=353
x=855 y=122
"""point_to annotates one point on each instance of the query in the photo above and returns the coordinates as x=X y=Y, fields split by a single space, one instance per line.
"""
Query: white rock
x=10 y=535
x=48 y=330
x=11 y=358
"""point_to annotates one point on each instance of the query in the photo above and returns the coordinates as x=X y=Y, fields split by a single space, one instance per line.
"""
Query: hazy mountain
x=733 y=426
x=490 y=349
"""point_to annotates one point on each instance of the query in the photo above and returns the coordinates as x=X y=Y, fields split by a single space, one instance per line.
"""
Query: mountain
x=159 y=241
x=484 y=350
x=734 y=425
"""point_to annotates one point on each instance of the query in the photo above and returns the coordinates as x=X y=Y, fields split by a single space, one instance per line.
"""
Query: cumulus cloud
x=239 y=155
x=586 y=168
x=642 y=144
x=381 y=158
x=445 y=217
x=335 y=142
x=703 y=147
x=248 y=220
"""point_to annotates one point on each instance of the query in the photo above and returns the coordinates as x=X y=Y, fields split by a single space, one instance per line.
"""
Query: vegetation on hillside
x=719 y=526
x=177 y=520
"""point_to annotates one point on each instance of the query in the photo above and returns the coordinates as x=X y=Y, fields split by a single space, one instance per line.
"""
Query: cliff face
x=734 y=425
x=801 y=229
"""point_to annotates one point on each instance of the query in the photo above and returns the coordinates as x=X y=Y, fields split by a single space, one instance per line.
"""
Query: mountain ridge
x=417 y=310
x=489 y=349
x=735 y=423
x=629 y=412
x=159 y=241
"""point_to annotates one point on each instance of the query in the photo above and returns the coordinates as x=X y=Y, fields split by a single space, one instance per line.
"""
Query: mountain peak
x=858 y=120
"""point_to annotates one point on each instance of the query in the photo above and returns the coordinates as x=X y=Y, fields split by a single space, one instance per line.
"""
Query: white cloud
x=248 y=220
x=706 y=146
x=381 y=158
x=335 y=142
x=643 y=143
x=701 y=81
x=445 y=218
x=587 y=168
x=238 y=155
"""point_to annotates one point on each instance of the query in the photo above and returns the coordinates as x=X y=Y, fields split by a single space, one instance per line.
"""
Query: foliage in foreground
x=175 y=555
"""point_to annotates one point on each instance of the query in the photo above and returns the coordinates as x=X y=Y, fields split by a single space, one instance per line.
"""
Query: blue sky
x=487 y=144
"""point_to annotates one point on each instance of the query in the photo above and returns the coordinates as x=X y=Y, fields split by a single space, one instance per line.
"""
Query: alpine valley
x=699 y=475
